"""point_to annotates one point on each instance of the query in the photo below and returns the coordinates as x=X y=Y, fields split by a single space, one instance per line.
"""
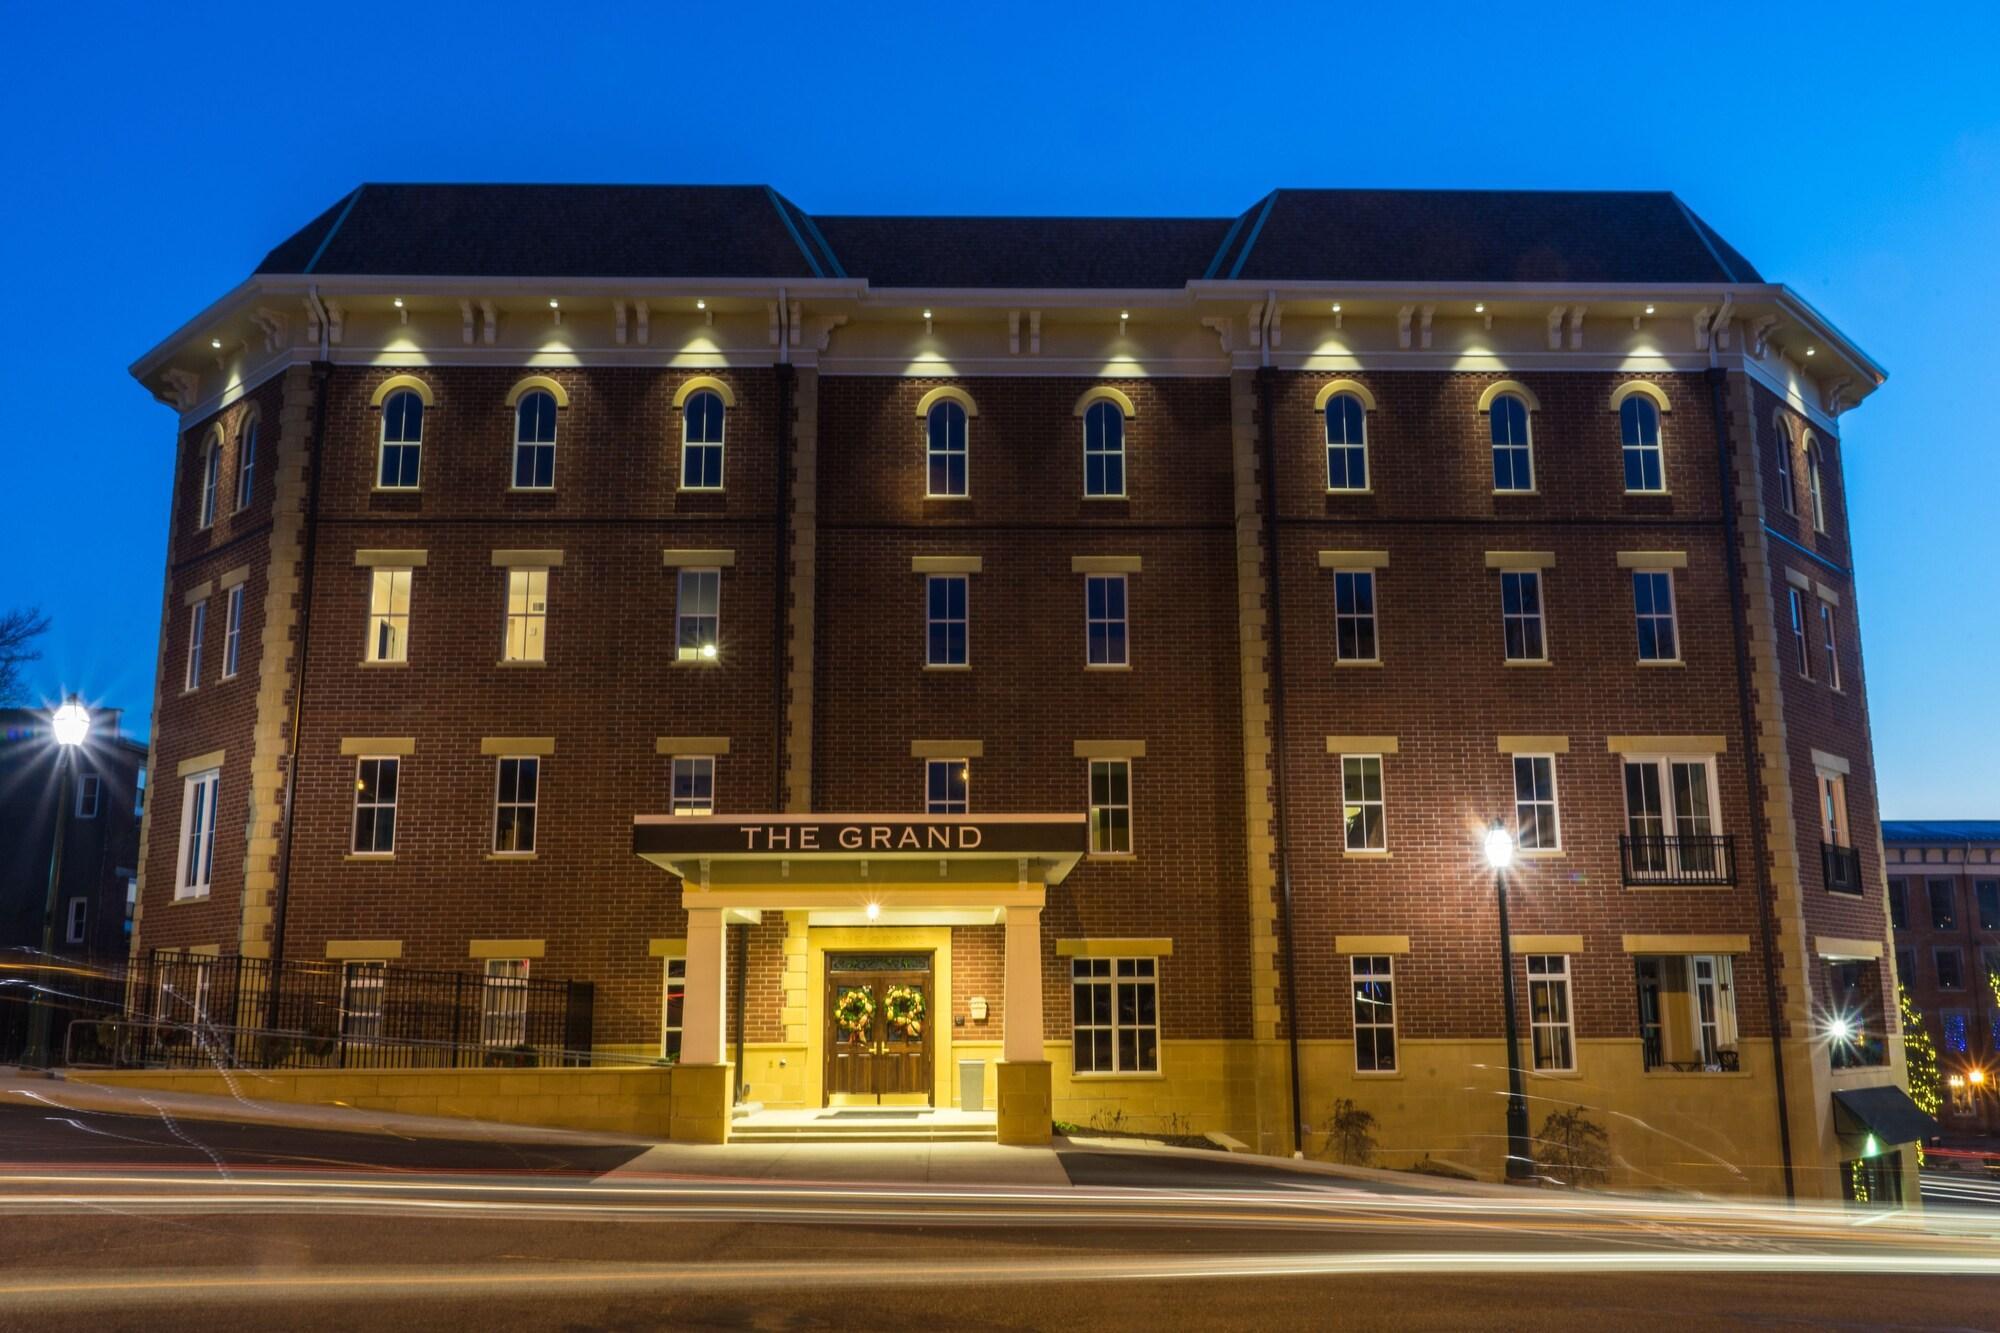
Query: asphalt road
x=113 y=1222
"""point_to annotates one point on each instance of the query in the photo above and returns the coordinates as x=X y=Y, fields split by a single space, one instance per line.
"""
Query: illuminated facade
x=1141 y=619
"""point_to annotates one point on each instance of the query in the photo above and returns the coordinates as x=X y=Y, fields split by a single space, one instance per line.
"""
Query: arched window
x=1103 y=449
x=211 y=473
x=1815 y=483
x=1788 y=489
x=1639 y=428
x=701 y=441
x=1513 y=451
x=535 y=441
x=944 y=449
x=1346 y=443
x=402 y=441
x=246 y=462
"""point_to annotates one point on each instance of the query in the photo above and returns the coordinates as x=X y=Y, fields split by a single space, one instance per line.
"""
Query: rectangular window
x=503 y=1003
x=1687 y=1012
x=232 y=631
x=1906 y=967
x=1801 y=656
x=1374 y=980
x=694 y=784
x=1833 y=809
x=1549 y=1025
x=197 y=631
x=1830 y=644
x=389 y=616
x=197 y=851
x=1950 y=964
x=246 y=464
x=1988 y=892
x=1362 y=807
x=946 y=786
x=1944 y=904
x=698 y=615
x=527 y=614
x=1110 y=807
x=1653 y=605
x=375 y=783
x=79 y=914
x=1854 y=1015
x=1535 y=822
x=1116 y=1015
x=1956 y=1027
x=1899 y=912
x=361 y=1000
x=89 y=795
x=1521 y=614
x=1354 y=615
x=514 y=805
x=1670 y=818
x=1104 y=619
x=673 y=1002
x=182 y=997
x=945 y=598
x=139 y=793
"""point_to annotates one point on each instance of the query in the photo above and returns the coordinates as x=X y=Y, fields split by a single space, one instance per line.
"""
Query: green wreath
x=854 y=1010
x=904 y=1007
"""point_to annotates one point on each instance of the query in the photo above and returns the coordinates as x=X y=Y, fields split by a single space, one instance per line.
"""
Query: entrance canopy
x=1885 y=1111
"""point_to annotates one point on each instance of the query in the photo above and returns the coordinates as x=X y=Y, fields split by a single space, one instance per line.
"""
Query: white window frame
x=533 y=448
x=697 y=768
x=720 y=445
x=1112 y=766
x=1355 y=768
x=532 y=805
x=197 y=633
x=1672 y=618
x=1801 y=649
x=194 y=868
x=232 y=632
x=378 y=805
x=77 y=928
x=1643 y=409
x=1123 y=622
x=211 y=480
x=1372 y=970
x=691 y=584
x=1102 y=410
x=1832 y=807
x=934 y=622
x=1543 y=974
x=1816 y=483
x=503 y=1003
x=384 y=444
x=1708 y=1005
x=1539 y=618
x=1528 y=834
x=1526 y=444
x=1788 y=490
x=384 y=583
x=89 y=795
x=944 y=409
x=947 y=805
x=1671 y=816
x=246 y=463
x=525 y=636
x=1829 y=643
x=1356 y=578
x=1111 y=975
x=1349 y=447
x=673 y=969
x=363 y=977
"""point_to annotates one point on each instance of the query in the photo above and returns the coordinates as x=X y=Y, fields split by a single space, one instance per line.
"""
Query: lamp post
x=71 y=725
x=1500 y=855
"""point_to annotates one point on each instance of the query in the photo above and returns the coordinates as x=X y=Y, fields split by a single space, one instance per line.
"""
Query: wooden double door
x=879 y=1022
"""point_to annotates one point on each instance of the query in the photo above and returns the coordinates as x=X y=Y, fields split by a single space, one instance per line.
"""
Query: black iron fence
x=1678 y=861
x=1842 y=866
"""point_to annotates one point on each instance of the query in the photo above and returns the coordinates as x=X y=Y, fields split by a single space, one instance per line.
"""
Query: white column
x=704 y=1011
x=1022 y=986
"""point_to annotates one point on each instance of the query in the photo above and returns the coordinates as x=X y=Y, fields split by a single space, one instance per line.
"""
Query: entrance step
x=866 y=1125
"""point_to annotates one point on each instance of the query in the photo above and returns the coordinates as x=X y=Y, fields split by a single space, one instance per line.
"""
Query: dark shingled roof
x=1941 y=830
x=751 y=231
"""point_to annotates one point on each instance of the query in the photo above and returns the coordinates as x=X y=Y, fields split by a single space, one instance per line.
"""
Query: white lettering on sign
x=859 y=837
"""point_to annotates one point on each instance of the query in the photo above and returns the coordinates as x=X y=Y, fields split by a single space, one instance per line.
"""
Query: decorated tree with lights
x=1926 y=1089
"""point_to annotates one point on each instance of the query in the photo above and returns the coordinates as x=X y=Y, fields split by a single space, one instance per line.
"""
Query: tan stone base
x=1025 y=1104
x=701 y=1099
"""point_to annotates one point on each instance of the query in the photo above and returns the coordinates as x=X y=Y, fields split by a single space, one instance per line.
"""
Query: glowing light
x=71 y=722
x=216 y=343
x=1840 y=1027
x=874 y=911
x=1812 y=351
x=554 y=304
x=1499 y=848
x=1649 y=310
x=1124 y=314
x=1336 y=307
x=1479 y=308
x=1977 y=1077
x=708 y=650
x=700 y=304
x=927 y=313
x=399 y=303
x=1956 y=1080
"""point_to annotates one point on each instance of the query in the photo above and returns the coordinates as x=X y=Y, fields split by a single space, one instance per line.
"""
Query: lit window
x=1346 y=444
x=1955 y=1026
x=694 y=784
x=79 y=915
x=402 y=441
x=527 y=614
x=1639 y=429
x=1354 y=615
x=1513 y=452
x=673 y=1001
x=535 y=441
x=1374 y=981
x=1115 y=1015
x=211 y=473
x=389 y=615
x=1830 y=644
x=1801 y=654
x=945 y=636
x=89 y=795
x=1521 y=615
x=246 y=463
x=514 y=805
x=1104 y=616
x=1816 y=484
x=946 y=784
x=698 y=615
x=375 y=782
x=1103 y=450
x=1950 y=969
x=1549 y=1024
x=503 y=1003
x=1536 y=825
x=701 y=441
x=197 y=631
x=1653 y=605
x=1899 y=910
x=1833 y=808
x=196 y=863
x=361 y=999
x=1110 y=807
x=1362 y=808
x=944 y=451
x=232 y=632
x=1687 y=1012
x=1853 y=1016
x=1788 y=489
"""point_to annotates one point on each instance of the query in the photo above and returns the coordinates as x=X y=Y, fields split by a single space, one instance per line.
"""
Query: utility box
x=972 y=1085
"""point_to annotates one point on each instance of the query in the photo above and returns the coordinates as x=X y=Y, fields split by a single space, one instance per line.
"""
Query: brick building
x=1117 y=633
x=1944 y=902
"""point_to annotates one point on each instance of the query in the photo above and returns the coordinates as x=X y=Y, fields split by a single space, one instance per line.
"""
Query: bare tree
x=18 y=632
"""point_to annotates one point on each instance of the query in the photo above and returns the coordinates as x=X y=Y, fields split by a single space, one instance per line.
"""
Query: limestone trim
x=534 y=382
x=1645 y=389
x=1362 y=745
x=1108 y=947
x=392 y=559
x=672 y=745
x=198 y=594
x=1548 y=944
x=1835 y=947
x=1520 y=559
x=1667 y=744
x=1515 y=387
x=1831 y=596
x=698 y=559
x=947 y=749
x=527 y=559
x=947 y=564
x=1352 y=944
x=1534 y=744
x=1686 y=944
x=1353 y=559
x=351 y=746
x=233 y=578
x=947 y=393
x=1108 y=749
x=1328 y=390
x=1830 y=763
x=1798 y=580
x=694 y=384
x=396 y=382
x=1105 y=564
x=369 y=950
x=1104 y=393
x=199 y=763
x=1652 y=559
x=674 y=947
x=513 y=746
x=507 y=949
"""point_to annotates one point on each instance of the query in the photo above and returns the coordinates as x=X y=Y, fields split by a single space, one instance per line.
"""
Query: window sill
x=511 y=856
x=1696 y=1073
x=1344 y=662
x=1648 y=495
x=1107 y=666
x=947 y=497
x=1528 y=662
x=697 y=661
x=522 y=662
x=699 y=490
x=1110 y=856
x=180 y=898
x=1662 y=662
x=1363 y=854
x=374 y=665
x=1379 y=1075
x=397 y=490
x=224 y=680
x=1678 y=888
x=1350 y=490
x=1120 y=496
x=1555 y=1073
x=376 y=857
x=191 y=689
x=1510 y=491
x=1540 y=853
x=1116 y=1076
x=531 y=490
x=947 y=666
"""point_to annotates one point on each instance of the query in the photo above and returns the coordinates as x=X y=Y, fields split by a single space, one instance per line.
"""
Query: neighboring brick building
x=1944 y=901
x=1177 y=602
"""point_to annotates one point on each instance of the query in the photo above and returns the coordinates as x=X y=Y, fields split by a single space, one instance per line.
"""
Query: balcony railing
x=1678 y=861
x=1842 y=866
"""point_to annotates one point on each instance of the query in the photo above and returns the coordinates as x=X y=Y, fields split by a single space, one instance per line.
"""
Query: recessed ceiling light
x=216 y=343
x=399 y=303
x=700 y=304
x=1336 y=307
x=1649 y=310
x=927 y=313
x=554 y=304
x=1812 y=351
x=1479 y=308
x=1124 y=314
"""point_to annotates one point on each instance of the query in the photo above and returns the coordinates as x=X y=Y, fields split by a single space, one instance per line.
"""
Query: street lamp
x=71 y=725
x=1500 y=855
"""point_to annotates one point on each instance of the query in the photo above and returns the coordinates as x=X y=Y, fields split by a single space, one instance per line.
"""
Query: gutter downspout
x=1752 y=761
x=1281 y=840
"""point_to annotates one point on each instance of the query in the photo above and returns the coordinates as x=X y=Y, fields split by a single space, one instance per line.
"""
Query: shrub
x=1350 y=1133
x=1573 y=1148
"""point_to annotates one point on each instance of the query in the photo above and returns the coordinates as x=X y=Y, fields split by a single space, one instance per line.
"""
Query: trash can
x=972 y=1085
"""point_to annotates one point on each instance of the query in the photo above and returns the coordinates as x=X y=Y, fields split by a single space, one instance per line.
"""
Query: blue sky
x=153 y=157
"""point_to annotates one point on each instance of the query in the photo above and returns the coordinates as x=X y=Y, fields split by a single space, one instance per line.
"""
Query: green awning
x=1885 y=1111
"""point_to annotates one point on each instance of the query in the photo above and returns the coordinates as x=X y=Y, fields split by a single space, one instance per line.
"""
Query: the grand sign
x=718 y=836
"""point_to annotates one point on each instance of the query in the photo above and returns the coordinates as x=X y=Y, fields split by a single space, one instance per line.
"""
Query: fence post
x=457 y=1019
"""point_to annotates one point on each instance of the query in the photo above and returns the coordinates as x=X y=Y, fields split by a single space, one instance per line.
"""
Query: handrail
x=1681 y=860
